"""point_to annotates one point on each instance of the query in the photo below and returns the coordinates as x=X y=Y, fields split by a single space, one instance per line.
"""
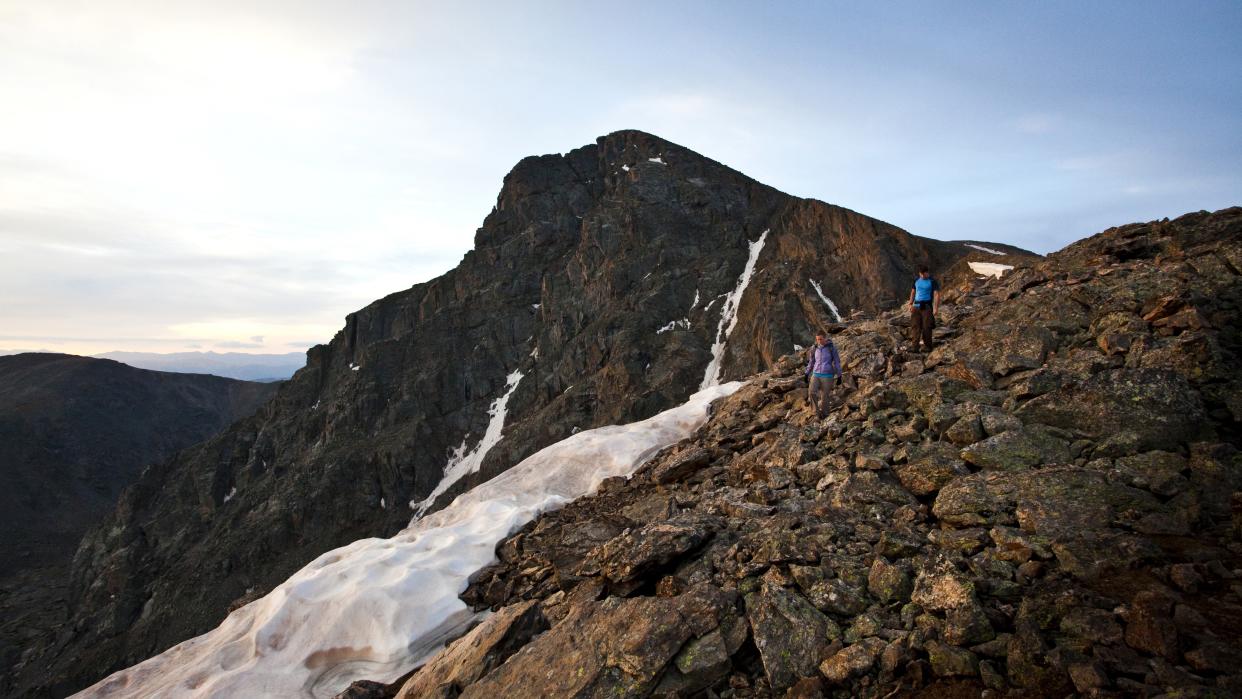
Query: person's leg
x=825 y=398
x=916 y=325
x=810 y=392
x=928 y=323
x=817 y=395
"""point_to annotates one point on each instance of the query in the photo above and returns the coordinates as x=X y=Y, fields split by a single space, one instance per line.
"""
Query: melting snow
x=831 y=306
x=728 y=315
x=980 y=247
x=378 y=607
x=462 y=462
x=989 y=269
x=684 y=324
x=696 y=300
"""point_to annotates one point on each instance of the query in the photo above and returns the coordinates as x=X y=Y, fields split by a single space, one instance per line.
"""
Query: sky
x=238 y=176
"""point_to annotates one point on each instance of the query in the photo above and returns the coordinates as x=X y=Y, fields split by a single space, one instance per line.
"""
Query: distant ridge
x=231 y=365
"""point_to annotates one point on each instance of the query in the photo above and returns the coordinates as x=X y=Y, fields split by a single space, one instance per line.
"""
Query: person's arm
x=911 y=296
x=836 y=361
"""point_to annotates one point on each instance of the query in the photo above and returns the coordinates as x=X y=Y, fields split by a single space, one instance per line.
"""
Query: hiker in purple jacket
x=823 y=369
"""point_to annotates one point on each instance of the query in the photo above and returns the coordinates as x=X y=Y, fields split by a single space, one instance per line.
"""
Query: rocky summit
x=1047 y=504
x=607 y=284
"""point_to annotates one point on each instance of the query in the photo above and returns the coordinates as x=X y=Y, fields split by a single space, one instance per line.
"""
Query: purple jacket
x=824 y=360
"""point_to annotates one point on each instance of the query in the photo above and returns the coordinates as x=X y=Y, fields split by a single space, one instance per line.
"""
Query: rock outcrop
x=1035 y=508
x=606 y=285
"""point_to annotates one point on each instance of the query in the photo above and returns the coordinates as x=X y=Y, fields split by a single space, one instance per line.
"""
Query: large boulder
x=1135 y=409
x=635 y=552
x=929 y=467
x=477 y=653
x=616 y=648
x=790 y=633
x=1060 y=502
x=1017 y=449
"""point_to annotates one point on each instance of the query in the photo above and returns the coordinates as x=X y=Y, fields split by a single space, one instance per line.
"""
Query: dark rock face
x=74 y=431
x=599 y=277
x=874 y=552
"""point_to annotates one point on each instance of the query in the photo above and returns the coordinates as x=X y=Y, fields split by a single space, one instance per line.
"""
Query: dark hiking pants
x=819 y=393
x=921 y=323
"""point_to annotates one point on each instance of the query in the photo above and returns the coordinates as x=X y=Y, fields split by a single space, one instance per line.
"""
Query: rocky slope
x=1048 y=504
x=594 y=295
x=74 y=431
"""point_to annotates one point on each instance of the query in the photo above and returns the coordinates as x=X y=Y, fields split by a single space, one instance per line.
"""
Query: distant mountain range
x=232 y=365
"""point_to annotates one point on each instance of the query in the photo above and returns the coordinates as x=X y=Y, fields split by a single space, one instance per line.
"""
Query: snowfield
x=987 y=250
x=989 y=269
x=378 y=607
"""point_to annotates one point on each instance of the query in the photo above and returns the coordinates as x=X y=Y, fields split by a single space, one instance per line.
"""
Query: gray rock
x=789 y=632
x=1017 y=449
x=477 y=653
x=852 y=660
x=1158 y=408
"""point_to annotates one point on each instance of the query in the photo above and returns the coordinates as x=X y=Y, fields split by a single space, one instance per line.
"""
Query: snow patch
x=383 y=504
x=989 y=269
x=230 y=495
x=462 y=462
x=354 y=367
x=831 y=306
x=728 y=315
x=377 y=607
x=656 y=160
x=684 y=324
x=980 y=247
x=625 y=167
x=696 y=300
x=798 y=347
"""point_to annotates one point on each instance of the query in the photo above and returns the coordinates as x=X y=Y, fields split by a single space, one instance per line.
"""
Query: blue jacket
x=824 y=360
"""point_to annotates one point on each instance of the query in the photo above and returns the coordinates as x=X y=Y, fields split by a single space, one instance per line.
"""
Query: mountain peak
x=602 y=286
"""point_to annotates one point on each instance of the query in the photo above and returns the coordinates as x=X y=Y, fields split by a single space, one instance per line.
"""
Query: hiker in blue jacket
x=823 y=369
x=924 y=304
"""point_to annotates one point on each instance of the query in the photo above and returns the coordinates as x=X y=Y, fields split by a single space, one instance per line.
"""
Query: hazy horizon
x=232 y=177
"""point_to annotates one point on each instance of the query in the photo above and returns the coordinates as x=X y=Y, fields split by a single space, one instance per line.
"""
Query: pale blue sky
x=213 y=175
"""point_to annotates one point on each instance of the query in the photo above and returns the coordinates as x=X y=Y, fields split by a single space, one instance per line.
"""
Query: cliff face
x=595 y=293
x=1048 y=504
